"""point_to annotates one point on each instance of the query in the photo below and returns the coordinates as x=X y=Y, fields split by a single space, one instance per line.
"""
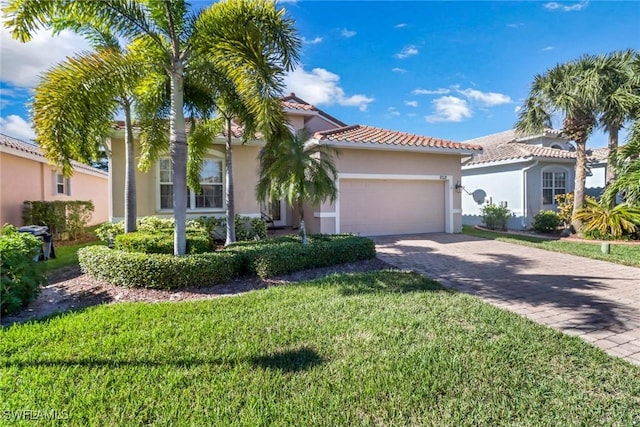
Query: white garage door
x=377 y=207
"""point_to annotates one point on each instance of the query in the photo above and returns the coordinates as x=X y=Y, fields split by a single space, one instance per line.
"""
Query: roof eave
x=389 y=147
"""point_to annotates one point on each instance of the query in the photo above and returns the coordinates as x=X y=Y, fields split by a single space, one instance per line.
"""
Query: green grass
x=385 y=348
x=66 y=256
x=626 y=254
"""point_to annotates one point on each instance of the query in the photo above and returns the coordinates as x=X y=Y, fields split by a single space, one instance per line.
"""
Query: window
x=62 y=185
x=211 y=183
x=553 y=183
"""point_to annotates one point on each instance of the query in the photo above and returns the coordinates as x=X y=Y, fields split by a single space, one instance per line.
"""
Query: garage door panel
x=384 y=207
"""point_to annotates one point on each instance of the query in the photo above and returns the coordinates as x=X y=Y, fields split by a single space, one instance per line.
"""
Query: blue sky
x=453 y=70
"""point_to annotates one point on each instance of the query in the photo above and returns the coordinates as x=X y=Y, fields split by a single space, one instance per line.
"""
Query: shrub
x=604 y=222
x=20 y=275
x=161 y=242
x=158 y=271
x=282 y=256
x=564 y=204
x=495 y=217
x=546 y=221
x=71 y=216
x=109 y=230
x=247 y=228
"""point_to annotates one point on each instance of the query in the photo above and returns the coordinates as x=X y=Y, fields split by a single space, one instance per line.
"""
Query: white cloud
x=514 y=25
x=488 y=99
x=449 y=109
x=17 y=127
x=393 y=112
x=411 y=103
x=347 y=33
x=22 y=63
x=566 y=8
x=322 y=87
x=547 y=48
x=400 y=25
x=517 y=109
x=312 y=41
x=440 y=91
x=398 y=70
x=407 y=52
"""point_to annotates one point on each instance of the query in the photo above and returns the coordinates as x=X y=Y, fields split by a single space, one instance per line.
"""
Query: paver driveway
x=596 y=300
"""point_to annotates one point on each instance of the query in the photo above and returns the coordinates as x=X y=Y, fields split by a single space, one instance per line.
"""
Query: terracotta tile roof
x=372 y=135
x=292 y=102
x=504 y=146
x=16 y=144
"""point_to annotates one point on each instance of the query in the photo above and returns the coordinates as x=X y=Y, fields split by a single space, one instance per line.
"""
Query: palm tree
x=289 y=168
x=566 y=89
x=220 y=36
x=628 y=170
x=620 y=89
x=74 y=105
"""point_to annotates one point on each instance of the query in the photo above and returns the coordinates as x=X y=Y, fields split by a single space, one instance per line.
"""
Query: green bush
x=70 y=216
x=546 y=221
x=20 y=275
x=158 y=271
x=109 y=230
x=162 y=242
x=247 y=228
x=495 y=217
x=266 y=258
x=275 y=257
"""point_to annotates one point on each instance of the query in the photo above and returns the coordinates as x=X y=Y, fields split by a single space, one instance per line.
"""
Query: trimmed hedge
x=20 y=275
x=266 y=258
x=162 y=243
x=546 y=221
x=159 y=271
x=285 y=255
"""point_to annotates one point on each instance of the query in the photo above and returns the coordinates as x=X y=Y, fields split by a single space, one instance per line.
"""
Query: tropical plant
x=238 y=38
x=619 y=81
x=76 y=101
x=289 y=168
x=567 y=89
x=609 y=222
x=564 y=206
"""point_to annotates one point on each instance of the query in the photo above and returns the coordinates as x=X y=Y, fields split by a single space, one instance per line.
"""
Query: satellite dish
x=479 y=196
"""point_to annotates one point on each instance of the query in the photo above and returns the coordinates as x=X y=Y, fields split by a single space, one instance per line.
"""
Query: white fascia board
x=498 y=163
x=398 y=177
x=410 y=148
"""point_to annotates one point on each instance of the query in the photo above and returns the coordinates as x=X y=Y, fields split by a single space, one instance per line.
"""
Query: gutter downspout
x=525 y=213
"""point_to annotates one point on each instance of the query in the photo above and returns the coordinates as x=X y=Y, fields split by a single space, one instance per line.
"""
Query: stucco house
x=524 y=174
x=389 y=182
x=25 y=174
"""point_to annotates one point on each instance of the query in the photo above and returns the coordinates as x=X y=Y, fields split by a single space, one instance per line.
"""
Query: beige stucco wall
x=363 y=161
x=28 y=179
x=245 y=174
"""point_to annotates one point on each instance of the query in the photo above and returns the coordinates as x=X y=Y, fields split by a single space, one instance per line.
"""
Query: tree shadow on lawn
x=384 y=281
x=286 y=361
x=514 y=277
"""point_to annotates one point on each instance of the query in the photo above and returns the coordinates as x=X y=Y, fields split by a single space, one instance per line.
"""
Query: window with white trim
x=211 y=184
x=553 y=183
x=62 y=185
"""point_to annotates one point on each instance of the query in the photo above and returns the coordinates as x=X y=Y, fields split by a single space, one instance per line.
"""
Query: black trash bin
x=42 y=232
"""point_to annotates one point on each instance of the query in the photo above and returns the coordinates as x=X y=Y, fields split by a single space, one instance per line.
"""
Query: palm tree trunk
x=612 y=160
x=130 y=203
x=178 y=147
x=231 y=211
x=303 y=230
x=578 y=188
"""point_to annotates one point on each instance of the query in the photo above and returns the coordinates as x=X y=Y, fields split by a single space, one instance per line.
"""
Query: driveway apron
x=595 y=300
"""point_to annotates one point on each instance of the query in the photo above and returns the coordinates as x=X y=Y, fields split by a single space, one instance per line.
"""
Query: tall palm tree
x=75 y=103
x=628 y=171
x=300 y=173
x=619 y=83
x=569 y=90
x=175 y=39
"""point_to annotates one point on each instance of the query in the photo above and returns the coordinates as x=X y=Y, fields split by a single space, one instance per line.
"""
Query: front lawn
x=625 y=254
x=383 y=348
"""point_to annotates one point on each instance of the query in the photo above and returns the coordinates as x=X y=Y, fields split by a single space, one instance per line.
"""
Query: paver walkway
x=595 y=300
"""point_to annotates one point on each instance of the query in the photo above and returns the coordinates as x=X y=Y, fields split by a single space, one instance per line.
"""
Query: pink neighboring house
x=25 y=174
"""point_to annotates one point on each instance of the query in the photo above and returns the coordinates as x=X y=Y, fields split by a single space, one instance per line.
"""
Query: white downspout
x=525 y=213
